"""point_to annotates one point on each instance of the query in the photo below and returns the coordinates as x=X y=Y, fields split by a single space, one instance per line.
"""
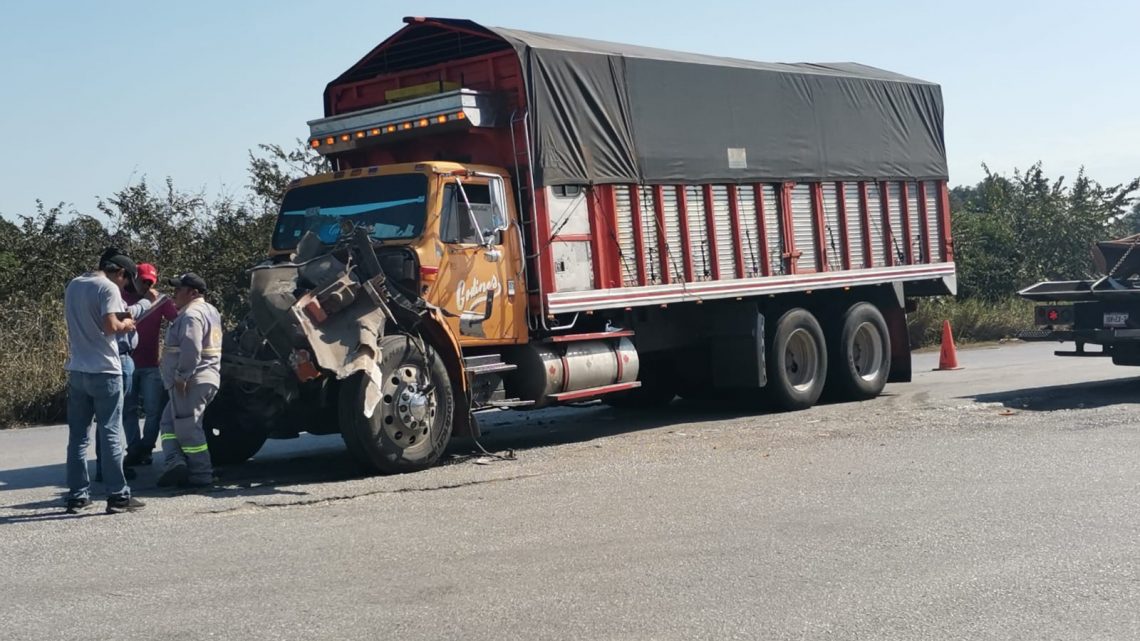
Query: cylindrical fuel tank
x=554 y=368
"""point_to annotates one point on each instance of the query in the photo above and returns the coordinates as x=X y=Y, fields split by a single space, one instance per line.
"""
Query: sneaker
x=119 y=504
x=175 y=475
x=74 y=505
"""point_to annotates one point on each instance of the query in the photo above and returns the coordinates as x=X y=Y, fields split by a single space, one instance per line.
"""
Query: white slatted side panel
x=932 y=221
x=649 y=233
x=725 y=246
x=773 y=228
x=915 y=222
x=898 y=237
x=803 y=228
x=625 y=236
x=673 y=241
x=750 y=238
x=854 y=224
x=875 y=209
x=698 y=233
x=832 y=226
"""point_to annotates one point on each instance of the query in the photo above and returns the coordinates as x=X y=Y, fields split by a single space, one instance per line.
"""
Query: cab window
x=486 y=206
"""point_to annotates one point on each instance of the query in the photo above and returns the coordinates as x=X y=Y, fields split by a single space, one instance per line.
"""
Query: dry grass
x=973 y=321
x=33 y=349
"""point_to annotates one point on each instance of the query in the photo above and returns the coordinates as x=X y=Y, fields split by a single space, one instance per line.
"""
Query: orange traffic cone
x=948 y=359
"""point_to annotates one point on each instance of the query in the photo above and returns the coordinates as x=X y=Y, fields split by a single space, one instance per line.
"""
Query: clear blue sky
x=96 y=94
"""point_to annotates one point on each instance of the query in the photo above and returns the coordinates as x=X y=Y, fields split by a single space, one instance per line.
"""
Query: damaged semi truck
x=518 y=220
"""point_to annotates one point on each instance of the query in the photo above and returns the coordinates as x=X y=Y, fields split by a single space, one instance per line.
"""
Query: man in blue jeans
x=137 y=306
x=95 y=315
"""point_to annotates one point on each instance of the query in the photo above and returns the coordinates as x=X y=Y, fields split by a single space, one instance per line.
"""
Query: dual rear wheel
x=852 y=360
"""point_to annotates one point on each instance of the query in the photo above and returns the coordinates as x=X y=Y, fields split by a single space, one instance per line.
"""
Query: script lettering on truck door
x=481 y=254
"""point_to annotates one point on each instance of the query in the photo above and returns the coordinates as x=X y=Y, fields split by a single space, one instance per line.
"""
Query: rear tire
x=410 y=427
x=860 y=354
x=796 y=361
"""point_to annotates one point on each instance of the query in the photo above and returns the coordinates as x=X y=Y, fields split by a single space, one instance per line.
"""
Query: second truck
x=517 y=220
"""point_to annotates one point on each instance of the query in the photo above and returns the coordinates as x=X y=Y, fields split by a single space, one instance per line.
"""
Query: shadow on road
x=559 y=426
x=285 y=466
x=1067 y=397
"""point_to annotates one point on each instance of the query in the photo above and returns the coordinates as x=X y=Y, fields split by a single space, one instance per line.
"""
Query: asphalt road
x=1000 y=501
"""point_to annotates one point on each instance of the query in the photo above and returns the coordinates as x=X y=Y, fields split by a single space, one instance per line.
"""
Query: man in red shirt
x=147 y=383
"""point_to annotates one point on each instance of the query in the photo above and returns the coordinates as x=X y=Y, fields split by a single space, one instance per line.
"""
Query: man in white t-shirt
x=95 y=315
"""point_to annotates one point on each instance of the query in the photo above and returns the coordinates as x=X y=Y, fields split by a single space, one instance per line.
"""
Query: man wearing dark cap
x=191 y=372
x=96 y=316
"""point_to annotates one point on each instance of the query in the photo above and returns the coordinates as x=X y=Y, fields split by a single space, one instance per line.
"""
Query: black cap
x=114 y=259
x=189 y=279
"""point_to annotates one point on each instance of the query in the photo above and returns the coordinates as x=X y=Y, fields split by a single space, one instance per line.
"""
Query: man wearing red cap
x=146 y=384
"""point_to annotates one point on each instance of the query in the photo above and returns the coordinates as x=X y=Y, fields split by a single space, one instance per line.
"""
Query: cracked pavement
x=995 y=502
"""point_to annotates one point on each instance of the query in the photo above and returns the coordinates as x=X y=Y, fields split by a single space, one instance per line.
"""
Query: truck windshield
x=395 y=207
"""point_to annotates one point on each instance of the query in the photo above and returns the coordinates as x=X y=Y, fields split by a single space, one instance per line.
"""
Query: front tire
x=796 y=361
x=236 y=427
x=411 y=424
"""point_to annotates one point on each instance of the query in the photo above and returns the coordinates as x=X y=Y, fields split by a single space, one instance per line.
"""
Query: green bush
x=972 y=320
x=33 y=349
x=176 y=230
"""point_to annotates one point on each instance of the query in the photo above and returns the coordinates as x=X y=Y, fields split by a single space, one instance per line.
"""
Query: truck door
x=481 y=255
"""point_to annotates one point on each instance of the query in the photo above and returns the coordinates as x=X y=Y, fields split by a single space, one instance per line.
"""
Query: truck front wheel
x=236 y=426
x=796 y=361
x=411 y=424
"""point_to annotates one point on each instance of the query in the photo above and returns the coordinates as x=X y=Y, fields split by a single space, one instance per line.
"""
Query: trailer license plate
x=1116 y=319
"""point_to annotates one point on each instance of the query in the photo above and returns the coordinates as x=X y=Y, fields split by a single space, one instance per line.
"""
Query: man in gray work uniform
x=191 y=372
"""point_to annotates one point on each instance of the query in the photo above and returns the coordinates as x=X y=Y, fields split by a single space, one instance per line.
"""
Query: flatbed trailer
x=1104 y=312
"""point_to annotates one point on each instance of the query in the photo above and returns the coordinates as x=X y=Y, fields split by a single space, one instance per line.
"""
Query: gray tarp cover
x=606 y=113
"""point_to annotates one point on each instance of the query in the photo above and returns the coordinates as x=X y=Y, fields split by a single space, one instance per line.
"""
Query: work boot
x=120 y=504
x=136 y=456
x=177 y=474
x=200 y=483
x=74 y=505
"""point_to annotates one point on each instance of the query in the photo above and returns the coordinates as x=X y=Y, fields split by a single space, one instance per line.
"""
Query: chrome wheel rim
x=801 y=360
x=408 y=410
x=867 y=351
